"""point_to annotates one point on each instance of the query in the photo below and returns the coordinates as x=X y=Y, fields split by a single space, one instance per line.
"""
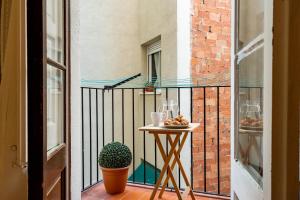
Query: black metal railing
x=114 y=114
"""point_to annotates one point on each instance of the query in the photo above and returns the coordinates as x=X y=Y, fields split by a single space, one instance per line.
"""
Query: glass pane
x=55 y=30
x=250 y=107
x=55 y=107
x=154 y=68
x=251 y=21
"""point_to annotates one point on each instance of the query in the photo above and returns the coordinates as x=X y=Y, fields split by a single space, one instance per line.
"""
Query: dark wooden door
x=48 y=99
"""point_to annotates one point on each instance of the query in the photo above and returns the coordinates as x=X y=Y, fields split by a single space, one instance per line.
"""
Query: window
x=154 y=63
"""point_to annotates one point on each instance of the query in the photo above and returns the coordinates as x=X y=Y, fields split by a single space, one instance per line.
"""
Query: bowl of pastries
x=251 y=123
x=177 y=122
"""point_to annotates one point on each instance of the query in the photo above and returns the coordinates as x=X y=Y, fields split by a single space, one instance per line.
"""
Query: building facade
x=210 y=65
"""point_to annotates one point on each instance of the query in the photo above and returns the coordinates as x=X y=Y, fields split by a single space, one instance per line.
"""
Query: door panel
x=55 y=190
x=56 y=164
x=48 y=86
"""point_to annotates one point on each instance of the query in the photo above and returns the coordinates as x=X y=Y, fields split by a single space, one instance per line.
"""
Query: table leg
x=173 y=163
x=182 y=170
x=169 y=171
x=166 y=164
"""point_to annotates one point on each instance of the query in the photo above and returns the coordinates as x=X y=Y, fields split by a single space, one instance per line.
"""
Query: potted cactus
x=114 y=161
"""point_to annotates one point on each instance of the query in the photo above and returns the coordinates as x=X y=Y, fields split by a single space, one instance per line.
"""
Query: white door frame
x=281 y=168
x=242 y=183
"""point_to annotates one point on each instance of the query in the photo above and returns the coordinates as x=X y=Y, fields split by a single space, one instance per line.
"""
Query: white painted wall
x=75 y=102
x=112 y=37
x=159 y=18
x=109 y=45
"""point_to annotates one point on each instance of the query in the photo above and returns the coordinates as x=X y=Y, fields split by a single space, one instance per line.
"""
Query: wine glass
x=175 y=110
x=165 y=109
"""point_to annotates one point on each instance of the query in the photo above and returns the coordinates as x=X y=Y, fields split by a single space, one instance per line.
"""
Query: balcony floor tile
x=97 y=192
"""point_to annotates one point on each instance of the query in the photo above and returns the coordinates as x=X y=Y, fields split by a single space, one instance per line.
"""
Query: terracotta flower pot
x=115 y=179
x=149 y=89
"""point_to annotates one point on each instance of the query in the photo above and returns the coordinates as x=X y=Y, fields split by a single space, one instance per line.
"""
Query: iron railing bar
x=167 y=146
x=90 y=186
x=123 y=129
x=261 y=98
x=178 y=96
x=97 y=137
x=82 y=137
x=113 y=115
x=249 y=94
x=103 y=119
x=133 y=130
x=144 y=136
x=261 y=109
x=155 y=155
x=218 y=136
x=192 y=161
x=90 y=115
x=204 y=135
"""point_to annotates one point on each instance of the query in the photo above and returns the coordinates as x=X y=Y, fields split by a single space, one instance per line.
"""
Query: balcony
x=115 y=112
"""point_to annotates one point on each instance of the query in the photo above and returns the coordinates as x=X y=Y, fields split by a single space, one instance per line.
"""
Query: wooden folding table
x=171 y=158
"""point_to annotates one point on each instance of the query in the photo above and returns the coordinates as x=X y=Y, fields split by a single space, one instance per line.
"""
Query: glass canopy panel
x=142 y=81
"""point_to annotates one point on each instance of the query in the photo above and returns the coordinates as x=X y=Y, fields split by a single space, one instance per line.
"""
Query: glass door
x=250 y=69
x=48 y=99
x=57 y=90
x=56 y=75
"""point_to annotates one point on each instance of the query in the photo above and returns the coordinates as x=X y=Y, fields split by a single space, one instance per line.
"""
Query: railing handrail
x=161 y=87
x=122 y=82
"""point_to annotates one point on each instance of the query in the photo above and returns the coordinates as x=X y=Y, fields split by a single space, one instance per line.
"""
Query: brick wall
x=210 y=65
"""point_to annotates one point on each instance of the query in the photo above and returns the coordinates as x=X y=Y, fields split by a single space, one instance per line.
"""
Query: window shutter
x=154 y=47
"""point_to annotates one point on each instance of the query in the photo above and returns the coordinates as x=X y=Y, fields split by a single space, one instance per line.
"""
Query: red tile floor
x=97 y=192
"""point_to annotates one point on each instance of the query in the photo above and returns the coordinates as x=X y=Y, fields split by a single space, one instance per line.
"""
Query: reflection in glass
x=251 y=21
x=55 y=107
x=250 y=109
x=55 y=30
